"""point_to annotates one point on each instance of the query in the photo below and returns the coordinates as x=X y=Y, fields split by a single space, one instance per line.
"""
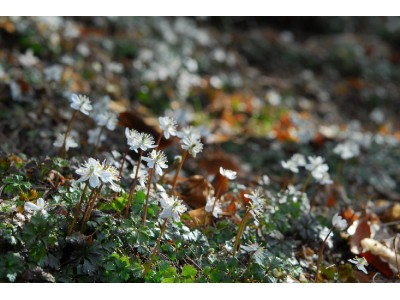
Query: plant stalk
x=128 y=205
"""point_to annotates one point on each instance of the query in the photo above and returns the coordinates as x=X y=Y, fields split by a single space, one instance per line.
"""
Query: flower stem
x=96 y=147
x=240 y=231
x=184 y=156
x=321 y=250
x=78 y=209
x=159 y=141
x=146 y=270
x=306 y=182
x=147 y=196
x=121 y=169
x=63 y=150
x=89 y=208
x=128 y=205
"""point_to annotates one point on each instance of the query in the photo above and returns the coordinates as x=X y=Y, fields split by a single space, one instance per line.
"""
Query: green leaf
x=188 y=271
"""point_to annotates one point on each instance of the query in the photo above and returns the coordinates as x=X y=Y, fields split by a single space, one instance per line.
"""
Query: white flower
x=339 y=222
x=90 y=170
x=109 y=174
x=360 y=263
x=189 y=131
x=93 y=136
x=319 y=170
x=168 y=126
x=217 y=209
x=107 y=119
x=231 y=175
x=28 y=59
x=69 y=142
x=192 y=145
x=156 y=159
x=39 y=206
x=293 y=164
x=81 y=103
x=347 y=150
x=138 y=140
x=256 y=203
x=172 y=207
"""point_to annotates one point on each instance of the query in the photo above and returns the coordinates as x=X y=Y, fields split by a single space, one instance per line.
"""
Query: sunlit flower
x=217 y=209
x=339 y=222
x=109 y=174
x=293 y=164
x=168 y=126
x=347 y=150
x=172 y=207
x=158 y=160
x=231 y=175
x=138 y=140
x=256 y=203
x=81 y=103
x=39 y=206
x=107 y=119
x=360 y=263
x=91 y=170
x=69 y=142
x=192 y=145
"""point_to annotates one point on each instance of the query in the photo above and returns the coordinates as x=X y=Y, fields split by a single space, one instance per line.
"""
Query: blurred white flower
x=158 y=160
x=191 y=144
x=293 y=164
x=81 y=103
x=53 y=73
x=217 y=209
x=108 y=119
x=318 y=169
x=172 y=207
x=39 y=206
x=231 y=175
x=28 y=59
x=360 y=263
x=142 y=176
x=347 y=150
x=168 y=126
x=338 y=222
x=93 y=136
x=322 y=236
x=69 y=142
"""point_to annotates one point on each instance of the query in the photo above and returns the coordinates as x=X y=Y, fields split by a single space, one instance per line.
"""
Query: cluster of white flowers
x=158 y=160
x=97 y=173
x=81 y=103
x=318 y=169
x=172 y=207
x=138 y=140
x=217 y=208
x=347 y=149
x=257 y=203
x=293 y=164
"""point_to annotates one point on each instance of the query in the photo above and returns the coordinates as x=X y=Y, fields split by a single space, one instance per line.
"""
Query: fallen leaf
x=194 y=191
x=362 y=231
